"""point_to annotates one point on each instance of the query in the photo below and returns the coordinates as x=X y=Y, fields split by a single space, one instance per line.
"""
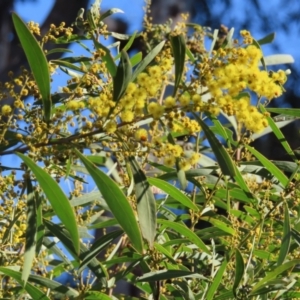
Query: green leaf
x=262 y=60
x=168 y=274
x=68 y=65
x=190 y=55
x=286 y=237
x=40 y=226
x=97 y=159
x=54 y=285
x=269 y=166
x=70 y=39
x=110 y=12
x=127 y=46
x=116 y=201
x=219 y=224
x=294 y=112
x=94 y=295
x=37 y=62
x=278 y=59
x=225 y=296
x=267 y=39
x=243 y=185
x=57 y=199
x=186 y=232
x=161 y=249
x=146 y=207
x=58 y=50
x=274 y=274
x=122 y=77
x=147 y=60
x=179 y=51
x=281 y=138
x=31 y=231
x=224 y=160
x=216 y=281
x=33 y=291
x=174 y=192
x=239 y=270
x=136 y=58
x=181 y=178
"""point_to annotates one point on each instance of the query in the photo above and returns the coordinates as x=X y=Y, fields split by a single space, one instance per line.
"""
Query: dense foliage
x=187 y=208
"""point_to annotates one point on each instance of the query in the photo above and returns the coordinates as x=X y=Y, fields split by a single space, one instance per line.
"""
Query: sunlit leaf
x=269 y=166
x=174 y=192
x=37 y=62
x=146 y=207
x=219 y=224
x=278 y=59
x=281 y=138
x=186 y=232
x=136 y=59
x=294 y=112
x=57 y=199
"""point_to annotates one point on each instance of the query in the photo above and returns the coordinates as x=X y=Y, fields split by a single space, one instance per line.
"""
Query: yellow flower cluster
x=173 y=152
x=34 y=28
x=236 y=70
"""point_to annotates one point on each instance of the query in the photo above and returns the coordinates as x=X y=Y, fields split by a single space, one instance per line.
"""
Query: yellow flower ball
x=6 y=110
x=111 y=127
x=170 y=102
x=185 y=99
x=127 y=116
x=169 y=161
x=141 y=135
x=72 y=105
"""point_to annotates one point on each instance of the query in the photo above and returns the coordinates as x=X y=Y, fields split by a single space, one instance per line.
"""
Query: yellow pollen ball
x=6 y=110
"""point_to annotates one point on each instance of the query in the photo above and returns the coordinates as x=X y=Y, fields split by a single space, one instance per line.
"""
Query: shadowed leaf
x=179 y=51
